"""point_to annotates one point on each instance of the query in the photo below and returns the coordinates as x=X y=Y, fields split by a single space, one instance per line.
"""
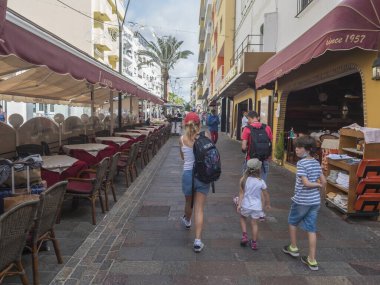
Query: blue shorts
x=305 y=216
x=199 y=186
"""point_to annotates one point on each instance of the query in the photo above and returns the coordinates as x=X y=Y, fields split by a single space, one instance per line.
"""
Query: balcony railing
x=301 y=5
x=250 y=44
x=219 y=78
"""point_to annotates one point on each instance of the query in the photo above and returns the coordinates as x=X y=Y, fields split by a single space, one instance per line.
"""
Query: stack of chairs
x=368 y=189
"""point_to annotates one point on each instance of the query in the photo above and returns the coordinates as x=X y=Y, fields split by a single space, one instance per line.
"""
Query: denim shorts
x=305 y=216
x=198 y=185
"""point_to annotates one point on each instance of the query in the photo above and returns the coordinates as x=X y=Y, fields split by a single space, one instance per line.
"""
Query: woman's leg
x=199 y=203
x=188 y=209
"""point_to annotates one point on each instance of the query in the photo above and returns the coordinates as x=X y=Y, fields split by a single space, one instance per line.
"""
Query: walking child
x=306 y=200
x=252 y=190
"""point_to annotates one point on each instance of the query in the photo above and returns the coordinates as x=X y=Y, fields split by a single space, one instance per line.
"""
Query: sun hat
x=191 y=116
x=254 y=164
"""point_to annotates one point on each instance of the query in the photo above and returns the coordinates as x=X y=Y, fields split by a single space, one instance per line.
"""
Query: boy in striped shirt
x=306 y=200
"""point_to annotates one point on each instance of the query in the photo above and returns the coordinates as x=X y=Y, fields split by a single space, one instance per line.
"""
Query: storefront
x=323 y=80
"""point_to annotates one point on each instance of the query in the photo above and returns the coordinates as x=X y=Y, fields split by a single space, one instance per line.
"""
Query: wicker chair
x=143 y=152
x=76 y=140
x=109 y=178
x=125 y=163
x=89 y=188
x=29 y=149
x=47 y=213
x=103 y=133
x=14 y=227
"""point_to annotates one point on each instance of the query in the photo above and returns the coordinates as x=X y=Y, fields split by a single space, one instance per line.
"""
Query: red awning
x=352 y=24
x=32 y=44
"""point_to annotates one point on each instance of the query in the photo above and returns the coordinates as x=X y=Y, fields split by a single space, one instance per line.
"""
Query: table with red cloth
x=57 y=168
x=92 y=153
x=143 y=132
x=120 y=143
x=147 y=128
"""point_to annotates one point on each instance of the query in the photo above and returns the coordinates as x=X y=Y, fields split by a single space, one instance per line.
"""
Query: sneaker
x=294 y=253
x=244 y=240
x=253 y=245
x=312 y=266
x=186 y=223
x=198 y=246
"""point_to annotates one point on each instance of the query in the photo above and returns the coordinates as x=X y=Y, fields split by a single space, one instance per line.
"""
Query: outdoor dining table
x=131 y=134
x=57 y=168
x=120 y=143
x=143 y=132
x=92 y=153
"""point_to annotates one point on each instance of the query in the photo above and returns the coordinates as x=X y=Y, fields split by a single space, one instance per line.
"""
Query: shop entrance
x=241 y=107
x=321 y=110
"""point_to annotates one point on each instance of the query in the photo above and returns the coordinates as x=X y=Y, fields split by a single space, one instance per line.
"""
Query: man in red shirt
x=253 y=120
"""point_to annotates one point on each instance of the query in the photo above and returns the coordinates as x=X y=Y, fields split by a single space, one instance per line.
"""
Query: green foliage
x=166 y=52
x=279 y=149
x=187 y=107
x=174 y=98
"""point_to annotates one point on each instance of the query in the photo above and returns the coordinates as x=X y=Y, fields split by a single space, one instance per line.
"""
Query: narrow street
x=141 y=240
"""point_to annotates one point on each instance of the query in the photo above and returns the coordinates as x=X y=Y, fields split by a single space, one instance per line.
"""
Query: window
x=34 y=107
x=301 y=5
x=51 y=108
x=41 y=107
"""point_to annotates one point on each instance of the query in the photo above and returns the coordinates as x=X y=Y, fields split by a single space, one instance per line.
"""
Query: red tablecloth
x=122 y=147
x=53 y=177
x=89 y=158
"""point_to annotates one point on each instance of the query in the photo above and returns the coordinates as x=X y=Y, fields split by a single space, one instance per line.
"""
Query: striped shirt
x=303 y=195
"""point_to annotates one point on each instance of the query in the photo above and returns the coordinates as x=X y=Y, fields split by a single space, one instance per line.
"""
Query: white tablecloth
x=91 y=148
x=58 y=163
x=118 y=140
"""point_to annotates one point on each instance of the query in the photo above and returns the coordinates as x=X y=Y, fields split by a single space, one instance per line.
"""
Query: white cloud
x=171 y=17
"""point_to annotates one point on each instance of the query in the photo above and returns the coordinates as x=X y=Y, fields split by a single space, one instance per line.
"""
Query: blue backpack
x=207 y=165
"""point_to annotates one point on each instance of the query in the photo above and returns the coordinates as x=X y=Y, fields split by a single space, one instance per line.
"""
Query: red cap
x=191 y=116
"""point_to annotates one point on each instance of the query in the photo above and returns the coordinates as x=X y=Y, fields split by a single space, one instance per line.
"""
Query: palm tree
x=165 y=53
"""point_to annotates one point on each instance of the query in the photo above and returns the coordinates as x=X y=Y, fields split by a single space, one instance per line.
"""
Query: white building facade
x=92 y=27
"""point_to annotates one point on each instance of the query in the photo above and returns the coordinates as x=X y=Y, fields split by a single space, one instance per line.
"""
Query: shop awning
x=352 y=24
x=52 y=69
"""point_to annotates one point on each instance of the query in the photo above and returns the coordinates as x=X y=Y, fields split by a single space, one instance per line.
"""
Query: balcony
x=102 y=11
x=98 y=54
x=218 y=5
x=219 y=78
x=213 y=52
x=252 y=43
x=102 y=40
x=208 y=10
x=208 y=33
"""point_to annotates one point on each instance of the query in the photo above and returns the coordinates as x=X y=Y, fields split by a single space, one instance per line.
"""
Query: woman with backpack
x=201 y=189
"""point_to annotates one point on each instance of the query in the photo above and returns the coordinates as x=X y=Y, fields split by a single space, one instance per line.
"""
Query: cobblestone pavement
x=141 y=240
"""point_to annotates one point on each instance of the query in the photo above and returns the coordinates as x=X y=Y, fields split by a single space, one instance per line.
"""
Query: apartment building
x=93 y=27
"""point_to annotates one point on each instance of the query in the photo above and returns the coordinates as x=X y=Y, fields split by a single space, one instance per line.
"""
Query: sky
x=178 y=18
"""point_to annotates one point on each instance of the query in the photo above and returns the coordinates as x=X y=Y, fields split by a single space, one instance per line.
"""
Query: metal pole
x=112 y=123
x=121 y=24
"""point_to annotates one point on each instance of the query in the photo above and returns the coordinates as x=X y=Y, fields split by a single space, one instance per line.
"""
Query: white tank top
x=188 y=156
x=252 y=194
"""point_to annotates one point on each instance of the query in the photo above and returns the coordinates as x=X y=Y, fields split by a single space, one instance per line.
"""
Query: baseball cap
x=254 y=164
x=192 y=117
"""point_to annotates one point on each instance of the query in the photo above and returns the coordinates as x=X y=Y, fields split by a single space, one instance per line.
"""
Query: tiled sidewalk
x=141 y=241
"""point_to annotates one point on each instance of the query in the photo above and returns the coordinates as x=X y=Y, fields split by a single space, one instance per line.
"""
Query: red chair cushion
x=79 y=187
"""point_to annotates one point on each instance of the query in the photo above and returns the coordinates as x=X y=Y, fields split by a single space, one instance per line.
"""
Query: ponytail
x=191 y=129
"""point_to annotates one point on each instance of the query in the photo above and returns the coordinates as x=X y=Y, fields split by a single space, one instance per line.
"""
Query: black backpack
x=260 y=146
x=207 y=165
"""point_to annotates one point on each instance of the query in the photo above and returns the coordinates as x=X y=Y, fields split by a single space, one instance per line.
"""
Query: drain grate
x=154 y=211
